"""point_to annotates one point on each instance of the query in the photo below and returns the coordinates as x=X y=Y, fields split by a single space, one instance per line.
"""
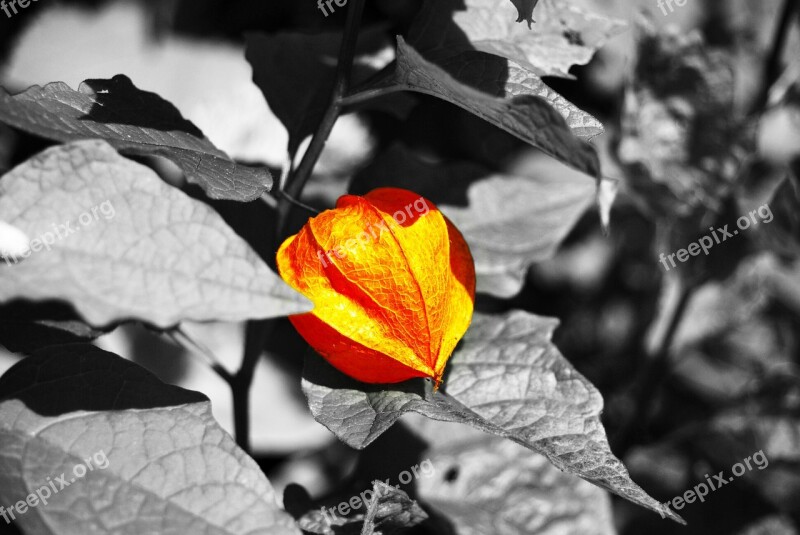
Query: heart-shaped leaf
x=135 y=122
x=114 y=240
x=507 y=379
x=95 y=444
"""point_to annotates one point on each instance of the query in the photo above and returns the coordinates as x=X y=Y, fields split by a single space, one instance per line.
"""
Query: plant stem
x=257 y=331
x=773 y=63
x=298 y=180
x=368 y=94
x=653 y=375
x=298 y=203
x=184 y=339
x=256 y=334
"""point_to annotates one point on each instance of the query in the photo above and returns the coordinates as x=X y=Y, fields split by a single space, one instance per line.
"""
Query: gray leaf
x=526 y=115
x=151 y=253
x=485 y=484
x=135 y=122
x=157 y=463
x=507 y=379
x=564 y=35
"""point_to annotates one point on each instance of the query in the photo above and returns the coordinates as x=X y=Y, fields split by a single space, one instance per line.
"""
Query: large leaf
x=507 y=379
x=135 y=122
x=485 y=484
x=146 y=250
x=159 y=461
x=526 y=116
x=509 y=222
x=564 y=34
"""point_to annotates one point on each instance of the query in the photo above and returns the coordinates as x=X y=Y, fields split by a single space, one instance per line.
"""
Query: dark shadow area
x=156 y=353
x=80 y=377
x=440 y=182
x=230 y=20
x=253 y=221
x=118 y=101
x=323 y=374
x=27 y=326
x=396 y=451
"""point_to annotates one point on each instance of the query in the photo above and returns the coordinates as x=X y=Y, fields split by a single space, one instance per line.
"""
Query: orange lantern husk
x=392 y=282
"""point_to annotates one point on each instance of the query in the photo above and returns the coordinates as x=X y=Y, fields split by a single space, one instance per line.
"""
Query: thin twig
x=772 y=70
x=269 y=200
x=197 y=349
x=296 y=183
x=256 y=334
x=368 y=94
x=257 y=331
x=652 y=377
x=297 y=203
